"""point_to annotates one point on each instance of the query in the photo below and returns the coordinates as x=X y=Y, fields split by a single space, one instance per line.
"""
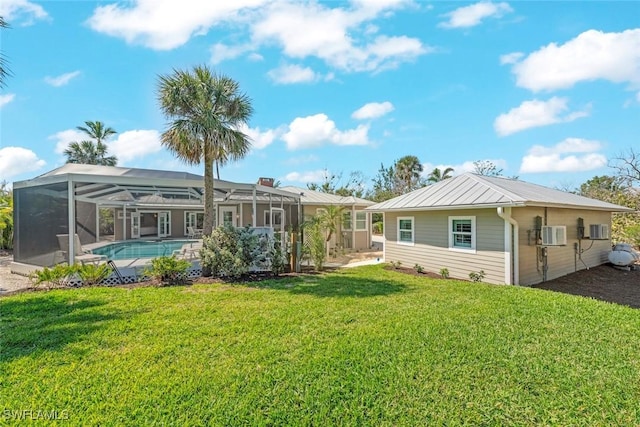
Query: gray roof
x=311 y=197
x=477 y=191
x=82 y=169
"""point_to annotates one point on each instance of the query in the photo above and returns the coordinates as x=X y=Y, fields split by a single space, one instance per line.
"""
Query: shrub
x=92 y=274
x=378 y=227
x=418 y=268
x=476 y=277
x=444 y=272
x=55 y=276
x=277 y=257
x=231 y=252
x=396 y=264
x=168 y=270
x=317 y=251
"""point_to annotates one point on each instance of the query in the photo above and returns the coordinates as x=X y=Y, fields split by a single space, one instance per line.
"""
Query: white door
x=135 y=225
x=277 y=219
x=164 y=224
x=228 y=216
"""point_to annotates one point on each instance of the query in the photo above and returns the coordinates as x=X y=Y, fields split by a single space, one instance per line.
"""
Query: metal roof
x=113 y=186
x=311 y=197
x=470 y=191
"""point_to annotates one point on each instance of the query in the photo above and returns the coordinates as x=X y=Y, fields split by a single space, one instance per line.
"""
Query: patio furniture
x=189 y=251
x=194 y=233
x=80 y=255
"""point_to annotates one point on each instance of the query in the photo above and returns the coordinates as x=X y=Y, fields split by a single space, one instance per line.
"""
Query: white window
x=361 y=220
x=193 y=219
x=405 y=230
x=346 y=221
x=462 y=233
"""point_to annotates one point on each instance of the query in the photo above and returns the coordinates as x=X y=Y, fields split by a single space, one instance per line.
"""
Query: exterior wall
x=361 y=238
x=561 y=260
x=431 y=244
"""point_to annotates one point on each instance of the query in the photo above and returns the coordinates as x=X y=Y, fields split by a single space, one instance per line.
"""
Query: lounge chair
x=189 y=251
x=80 y=255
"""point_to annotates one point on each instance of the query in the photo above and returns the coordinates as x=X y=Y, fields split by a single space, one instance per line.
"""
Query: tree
x=89 y=153
x=94 y=151
x=6 y=217
x=438 y=175
x=408 y=170
x=385 y=185
x=332 y=184
x=4 y=70
x=486 y=168
x=205 y=111
x=628 y=165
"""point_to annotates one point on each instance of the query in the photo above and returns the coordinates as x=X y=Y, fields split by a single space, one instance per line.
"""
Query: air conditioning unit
x=554 y=235
x=599 y=231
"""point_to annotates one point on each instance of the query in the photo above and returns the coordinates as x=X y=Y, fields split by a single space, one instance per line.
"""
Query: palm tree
x=97 y=131
x=438 y=175
x=4 y=71
x=206 y=112
x=408 y=169
x=90 y=153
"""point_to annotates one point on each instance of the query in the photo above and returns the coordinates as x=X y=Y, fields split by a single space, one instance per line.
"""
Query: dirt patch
x=413 y=272
x=604 y=283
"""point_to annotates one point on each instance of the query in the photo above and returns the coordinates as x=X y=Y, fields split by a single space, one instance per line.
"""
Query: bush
x=277 y=257
x=168 y=270
x=444 y=272
x=378 y=227
x=92 y=274
x=231 y=252
x=396 y=264
x=418 y=268
x=317 y=251
x=55 y=276
x=476 y=277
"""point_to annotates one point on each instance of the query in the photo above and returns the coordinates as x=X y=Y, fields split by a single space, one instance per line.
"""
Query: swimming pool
x=140 y=249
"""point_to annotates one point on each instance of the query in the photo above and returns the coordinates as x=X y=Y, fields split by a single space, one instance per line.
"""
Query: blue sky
x=548 y=91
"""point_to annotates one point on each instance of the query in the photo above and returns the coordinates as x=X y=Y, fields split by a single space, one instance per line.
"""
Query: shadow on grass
x=47 y=323
x=333 y=285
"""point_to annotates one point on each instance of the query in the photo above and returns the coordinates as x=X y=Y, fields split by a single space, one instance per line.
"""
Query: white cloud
x=511 y=58
x=372 y=110
x=290 y=73
x=260 y=139
x=17 y=160
x=5 y=99
x=305 y=177
x=63 y=138
x=165 y=24
x=536 y=113
x=21 y=10
x=472 y=15
x=221 y=52
x=562 y=158
x=62 y=79
x=134 y=144
x=317 y=130
x=255 y=57
x=592 y=55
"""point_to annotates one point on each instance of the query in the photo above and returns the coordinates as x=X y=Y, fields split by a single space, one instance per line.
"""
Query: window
x=361 y=220
x=193 y=219
x=462 y=233
x=405 y=230
x=346 y=221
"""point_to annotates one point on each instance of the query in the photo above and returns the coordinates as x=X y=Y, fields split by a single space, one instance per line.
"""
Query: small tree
x=314 y=233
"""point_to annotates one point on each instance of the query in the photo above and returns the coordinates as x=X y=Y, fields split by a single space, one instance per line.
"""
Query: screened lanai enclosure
x=104 y=204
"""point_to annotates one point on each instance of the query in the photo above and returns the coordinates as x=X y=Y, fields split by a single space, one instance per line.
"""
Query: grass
x=362 y=346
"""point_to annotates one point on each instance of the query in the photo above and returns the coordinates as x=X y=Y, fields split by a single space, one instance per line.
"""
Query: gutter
x=511 y=255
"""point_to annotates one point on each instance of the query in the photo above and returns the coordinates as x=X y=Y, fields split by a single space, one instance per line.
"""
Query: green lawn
x=357 y=347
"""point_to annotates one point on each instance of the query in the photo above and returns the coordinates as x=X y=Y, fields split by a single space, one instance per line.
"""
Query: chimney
x=267 y=182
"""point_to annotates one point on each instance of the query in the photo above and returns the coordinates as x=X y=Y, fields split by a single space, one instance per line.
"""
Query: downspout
x=511 y=246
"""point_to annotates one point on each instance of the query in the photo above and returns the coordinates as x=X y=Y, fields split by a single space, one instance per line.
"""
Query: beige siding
x=561 y=260
x=431 y=248
x=362 y=237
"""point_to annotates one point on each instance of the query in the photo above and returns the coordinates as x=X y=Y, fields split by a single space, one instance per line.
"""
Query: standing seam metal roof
x=474 y=191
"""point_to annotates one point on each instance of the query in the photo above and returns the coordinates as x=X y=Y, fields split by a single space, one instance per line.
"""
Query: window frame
x=342 y=223
x=187 y=214
x=413 y=230
x=452 y=233
x=366 y=222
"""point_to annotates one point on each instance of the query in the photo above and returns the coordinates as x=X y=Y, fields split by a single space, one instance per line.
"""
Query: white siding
x=561 y=260
x=431 y=248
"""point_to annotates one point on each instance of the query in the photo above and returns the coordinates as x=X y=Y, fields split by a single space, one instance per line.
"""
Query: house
x=136 y=204
x=514 y=231
x=354 y=232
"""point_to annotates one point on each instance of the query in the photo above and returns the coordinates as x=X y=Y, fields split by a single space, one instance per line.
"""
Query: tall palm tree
x=206 y=111
x=97 y=131
x=89 y=153
x=408 y=169
x=438 y=175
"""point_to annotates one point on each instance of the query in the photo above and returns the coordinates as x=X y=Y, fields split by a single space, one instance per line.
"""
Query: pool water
x=140 y=249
